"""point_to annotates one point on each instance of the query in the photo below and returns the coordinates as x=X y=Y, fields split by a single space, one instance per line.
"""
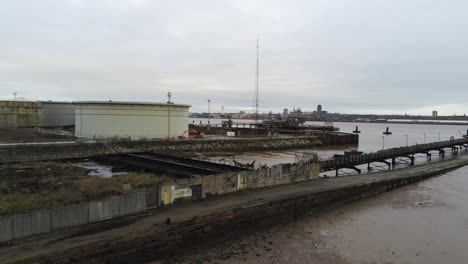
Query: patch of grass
x=96 y=186
x=23 y=202
x=24 y=187
x=3 y=188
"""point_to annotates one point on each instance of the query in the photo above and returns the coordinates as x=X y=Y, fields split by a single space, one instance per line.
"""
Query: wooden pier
x=389 y=156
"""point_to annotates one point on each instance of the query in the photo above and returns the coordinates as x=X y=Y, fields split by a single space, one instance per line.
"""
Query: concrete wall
x=58 y=114
x=263 y=177
x=133 y=121
x=14 y=114
x=217 y=184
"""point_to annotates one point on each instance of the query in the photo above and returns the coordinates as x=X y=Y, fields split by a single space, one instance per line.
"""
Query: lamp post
x=383 y=142
x=406 y=139
x=169 y=95
x=209 y=110
x=439 y=136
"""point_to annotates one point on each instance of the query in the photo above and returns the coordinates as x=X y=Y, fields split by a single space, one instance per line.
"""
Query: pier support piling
x=442 y=153
x=388 y=163
x=428 y=156
x=356 y=169
x=411 y=159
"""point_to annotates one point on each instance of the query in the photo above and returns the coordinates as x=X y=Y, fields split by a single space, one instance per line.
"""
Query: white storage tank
x=20 y=113
x=57 y=114
x=129 y=120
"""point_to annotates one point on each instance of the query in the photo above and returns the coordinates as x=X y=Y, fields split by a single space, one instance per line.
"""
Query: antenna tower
x=256 y=88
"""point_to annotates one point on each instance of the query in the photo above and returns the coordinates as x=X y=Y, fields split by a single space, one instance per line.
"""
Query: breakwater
x=26 y=152
x=224 y=145
x=157 y=236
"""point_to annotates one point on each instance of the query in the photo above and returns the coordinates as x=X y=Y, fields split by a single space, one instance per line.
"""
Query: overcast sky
x=354 y=56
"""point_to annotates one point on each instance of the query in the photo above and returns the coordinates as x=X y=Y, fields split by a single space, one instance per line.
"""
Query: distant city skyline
x=357 y=57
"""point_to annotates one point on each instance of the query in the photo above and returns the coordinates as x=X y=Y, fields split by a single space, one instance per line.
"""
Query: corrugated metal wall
x=45 y=220
x=5 y=229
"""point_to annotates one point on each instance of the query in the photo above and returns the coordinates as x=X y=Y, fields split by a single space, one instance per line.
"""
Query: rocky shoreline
x=20 y=152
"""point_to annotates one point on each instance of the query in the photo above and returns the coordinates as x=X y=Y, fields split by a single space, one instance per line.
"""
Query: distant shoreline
x=411 y=122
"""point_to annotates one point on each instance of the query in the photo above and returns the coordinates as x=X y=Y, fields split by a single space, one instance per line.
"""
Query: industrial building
x=20 y=113
x=129 y=120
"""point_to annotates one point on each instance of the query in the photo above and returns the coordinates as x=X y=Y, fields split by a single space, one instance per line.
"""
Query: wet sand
x=426 y=222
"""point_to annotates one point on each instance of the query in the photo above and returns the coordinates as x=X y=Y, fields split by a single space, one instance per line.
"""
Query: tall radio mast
x=256 y=88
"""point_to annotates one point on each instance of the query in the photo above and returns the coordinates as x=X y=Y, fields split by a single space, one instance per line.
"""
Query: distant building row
x=99 y=119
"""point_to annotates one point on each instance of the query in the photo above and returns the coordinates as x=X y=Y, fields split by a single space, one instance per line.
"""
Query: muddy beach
x=426 y=222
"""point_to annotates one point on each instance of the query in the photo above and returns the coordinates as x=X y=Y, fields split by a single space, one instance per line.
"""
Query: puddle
x=97 y=169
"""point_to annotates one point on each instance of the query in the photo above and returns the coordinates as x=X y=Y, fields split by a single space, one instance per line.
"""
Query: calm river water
x=426 y=222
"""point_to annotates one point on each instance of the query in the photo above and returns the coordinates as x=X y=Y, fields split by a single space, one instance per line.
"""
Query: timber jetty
x=383 y=156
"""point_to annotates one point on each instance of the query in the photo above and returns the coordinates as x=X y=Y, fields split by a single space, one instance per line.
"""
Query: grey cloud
x=351 y=56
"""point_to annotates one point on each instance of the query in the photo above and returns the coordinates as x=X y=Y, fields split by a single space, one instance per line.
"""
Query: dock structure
x=160 y=163
x=383 y=156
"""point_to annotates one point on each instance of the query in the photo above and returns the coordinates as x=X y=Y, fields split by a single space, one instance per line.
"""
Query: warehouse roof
x=19 y=99
x=55 y=102
x=130 y=103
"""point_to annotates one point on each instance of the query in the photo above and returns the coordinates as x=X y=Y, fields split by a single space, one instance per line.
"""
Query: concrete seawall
x=22 y=152
x=155 y=236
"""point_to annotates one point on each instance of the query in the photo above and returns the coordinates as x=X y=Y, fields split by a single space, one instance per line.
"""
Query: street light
x=383 y=142
x=406 y=139
x=169 y=95
x=209 y=110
